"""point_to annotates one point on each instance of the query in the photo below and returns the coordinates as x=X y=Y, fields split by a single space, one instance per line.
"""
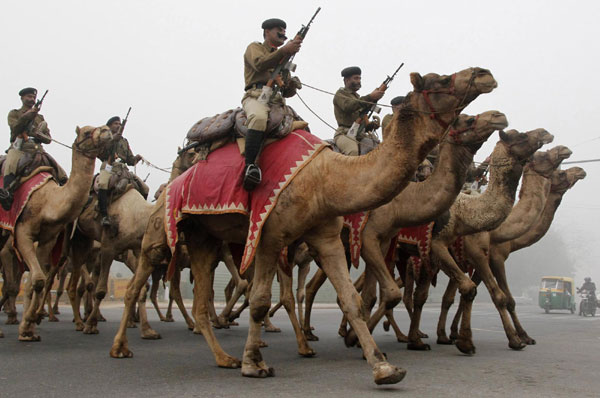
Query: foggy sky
x=177 y=62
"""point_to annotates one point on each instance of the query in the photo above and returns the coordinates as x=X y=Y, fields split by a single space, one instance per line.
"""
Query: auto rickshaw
x=557 y=293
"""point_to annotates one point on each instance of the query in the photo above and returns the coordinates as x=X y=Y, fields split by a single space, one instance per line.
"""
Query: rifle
x=188 y=147
x=124 y=121
x=360 y=123
x=29 y=127
x=284 y=68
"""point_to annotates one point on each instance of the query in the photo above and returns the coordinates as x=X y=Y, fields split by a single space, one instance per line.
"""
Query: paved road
x=565 y=362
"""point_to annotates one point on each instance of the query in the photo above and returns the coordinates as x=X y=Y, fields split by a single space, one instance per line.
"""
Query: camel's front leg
x=241 y=285
x=146 y=330
x=107 y=256
x=499 y=271
x=468 y=291
x=420 y=297
x=12 y=283
x=47 y=299
x=303 y=270
x=391 y=321
x=61 y=287
x=331 y=253
x=287 y=298
x=154 y=295
x=175 y=294
x=447 y=302
x=311 y=292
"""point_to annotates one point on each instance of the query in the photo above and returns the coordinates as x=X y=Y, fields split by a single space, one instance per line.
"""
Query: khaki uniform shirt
x=118 y=149
x=18 y=123
x=259 y=61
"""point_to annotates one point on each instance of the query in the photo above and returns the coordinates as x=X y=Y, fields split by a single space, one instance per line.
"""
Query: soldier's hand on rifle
x=292 y=46
x=137 y=158
x=377 y=94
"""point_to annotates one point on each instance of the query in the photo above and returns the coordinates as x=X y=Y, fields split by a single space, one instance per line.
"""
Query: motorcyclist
x=590 y=288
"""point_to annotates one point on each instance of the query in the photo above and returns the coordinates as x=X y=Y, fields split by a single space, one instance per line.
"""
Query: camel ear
x=503 y=135
x=417 y=81
x=77 y=130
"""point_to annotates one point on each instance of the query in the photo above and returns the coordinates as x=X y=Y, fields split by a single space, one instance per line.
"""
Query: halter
x=450 y=91
x=84 y=152
x=455 y=134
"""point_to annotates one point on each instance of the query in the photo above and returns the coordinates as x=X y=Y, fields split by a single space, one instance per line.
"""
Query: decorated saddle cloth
x=420 y=237
x=32 y=163
x=216 y=131
x=214 y=186
x=355 y=223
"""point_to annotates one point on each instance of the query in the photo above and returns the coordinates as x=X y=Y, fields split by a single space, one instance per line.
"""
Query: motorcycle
x=587 y=305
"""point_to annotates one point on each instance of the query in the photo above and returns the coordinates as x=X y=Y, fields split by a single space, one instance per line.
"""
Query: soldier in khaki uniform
x=260 y=59
x=348 y=106
x=395 y=103
x=117 y=153
x=28 y=130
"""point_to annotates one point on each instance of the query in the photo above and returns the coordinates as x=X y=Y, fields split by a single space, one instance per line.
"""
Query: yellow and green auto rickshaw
x=557 y=293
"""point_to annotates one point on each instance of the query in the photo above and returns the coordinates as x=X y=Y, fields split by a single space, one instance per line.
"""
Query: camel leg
x=106 y=258
x=331 y=253
x=274 y=309
x=146 y=330
x=287 y=298
x=303 y=271
x=203 y=254
x=499 y=271
x=47 y=296
x=214 y=318
x=61 y=287
x=175 y=292
x=400 y=337
x=169 y=313
x=420 y=297
x=120 y=347
x=236 y=314
x=311 y=292
x=154 y=294
x=447 y=302
x=240 y=284
x=12 y=283
x=229 y=289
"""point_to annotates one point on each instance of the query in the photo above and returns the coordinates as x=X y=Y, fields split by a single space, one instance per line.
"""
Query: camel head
x=92 y=140
x=563 y=180
x=545 y=162
x=185 y=160
x=473 y=131
x=522 y=145
x=441 y=95
x=575 y=174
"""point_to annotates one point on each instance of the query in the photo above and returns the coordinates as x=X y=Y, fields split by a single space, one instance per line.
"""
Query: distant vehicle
x=557 y=293
x=587 y=305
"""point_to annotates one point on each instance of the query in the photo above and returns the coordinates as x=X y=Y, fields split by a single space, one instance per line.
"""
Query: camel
x=417 y=204
x=310 y=208
x=561 y=182
x=471 y=214
x=48 y=210
x=534 y=189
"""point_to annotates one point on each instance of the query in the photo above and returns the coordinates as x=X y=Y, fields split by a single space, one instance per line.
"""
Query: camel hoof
x=197 y=330
x=190 y=326
x=262 y=344
x=422 y=335
x=29 y=337
x=418 y=346
x=12 y=321
x=90 y=330
x=229 y=362
x=79 y=327
x=233 y=323
x=342 y=331
x=131 y=325
x=465 y=346
x=454 y=336
x=53 y=319
x=350 y=340
x=402 y=338
x=255 y=371
x=272 y=329
x=310 y=336
x=517 y=345
x=386 y=326
x=307 y=353
x=443 y=340
x=56 y=311
x=384 y=373
x=120 y=352
x=151 y=335
x=168 y=319
x=527 y=340
x=101 y=319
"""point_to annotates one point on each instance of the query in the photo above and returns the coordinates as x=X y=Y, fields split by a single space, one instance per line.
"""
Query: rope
x=165 y=170
x=353 y=98
x=582 y=161
x=314 y=113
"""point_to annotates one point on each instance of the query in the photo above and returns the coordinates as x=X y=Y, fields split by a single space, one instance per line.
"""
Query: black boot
x=252 y=173
x=103 y=206
x=6 y=193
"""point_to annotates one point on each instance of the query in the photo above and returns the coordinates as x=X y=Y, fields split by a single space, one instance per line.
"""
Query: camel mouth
x=546 y=138
x=564 y=153
x=499 y=121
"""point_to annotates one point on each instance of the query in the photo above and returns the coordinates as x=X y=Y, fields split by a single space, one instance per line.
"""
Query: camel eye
x=470 y=121
x=446 y=81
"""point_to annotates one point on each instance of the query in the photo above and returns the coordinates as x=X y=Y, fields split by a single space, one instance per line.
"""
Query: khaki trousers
x=347 y=145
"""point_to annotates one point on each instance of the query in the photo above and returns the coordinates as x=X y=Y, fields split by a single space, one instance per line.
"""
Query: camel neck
x=488 y=210
x=75 y=192
x=365 y=182
x=436 y=194
x=532 y=197
x=542 y=226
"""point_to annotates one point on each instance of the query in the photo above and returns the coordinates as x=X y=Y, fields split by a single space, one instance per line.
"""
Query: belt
x=255 y=85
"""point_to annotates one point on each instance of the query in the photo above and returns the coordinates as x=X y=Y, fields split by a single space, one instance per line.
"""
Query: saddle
x=31 y=164
x=214 y=132
x=121 y=181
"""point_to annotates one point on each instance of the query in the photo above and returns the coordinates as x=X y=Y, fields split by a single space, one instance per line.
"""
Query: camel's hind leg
x=311 y=292
x=326 y=242
x=156 y=277
x=203 y=254
x=61 y=287
x=240 y=284
x=420 y=297
x=287 y=298
x=303 y=270
x=175 y=294
x=12 y=282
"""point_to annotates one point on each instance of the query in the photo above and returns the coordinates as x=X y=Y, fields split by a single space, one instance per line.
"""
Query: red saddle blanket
x=214 y=186
x=8 y=219
x=355 y=223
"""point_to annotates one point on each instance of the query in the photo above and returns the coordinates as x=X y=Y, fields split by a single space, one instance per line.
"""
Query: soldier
x=395 y=103
x=28 y=130
x=260 y=59
x=348 y=106
x=119 y=149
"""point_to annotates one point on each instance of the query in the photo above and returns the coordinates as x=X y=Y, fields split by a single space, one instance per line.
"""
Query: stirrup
x=252 y=177
x=6 y=199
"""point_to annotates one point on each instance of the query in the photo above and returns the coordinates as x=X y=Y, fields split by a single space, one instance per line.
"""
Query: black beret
x=112 y=120
x=351 y=71
x=397 y=100
x=28 y=90
x=274 y=23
